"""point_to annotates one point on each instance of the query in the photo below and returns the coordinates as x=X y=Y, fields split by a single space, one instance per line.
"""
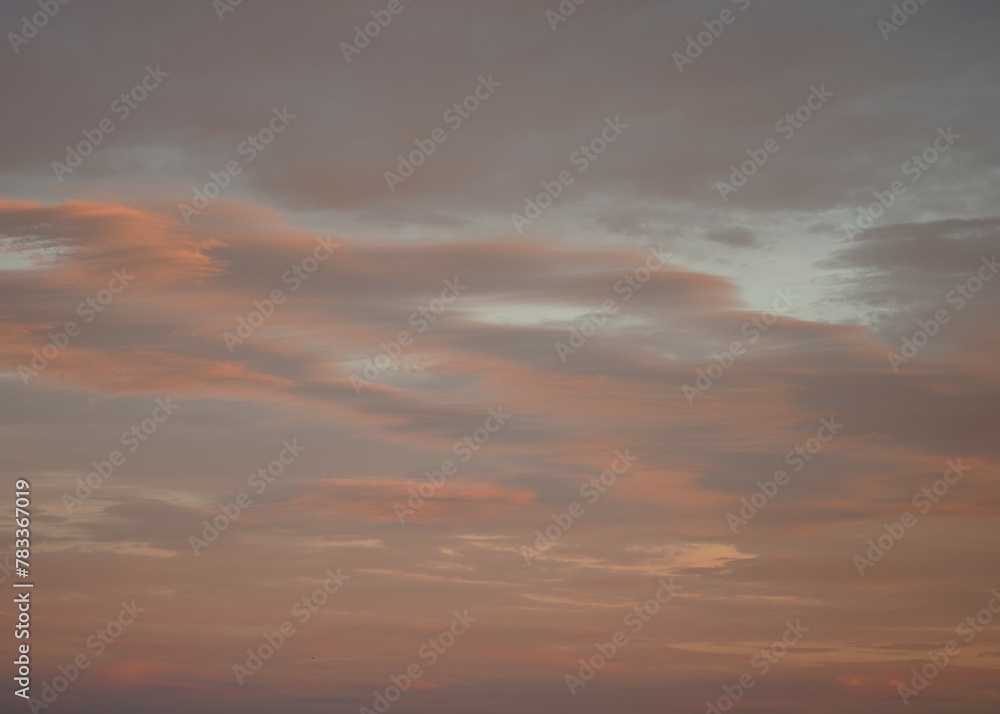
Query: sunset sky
x=502 y=357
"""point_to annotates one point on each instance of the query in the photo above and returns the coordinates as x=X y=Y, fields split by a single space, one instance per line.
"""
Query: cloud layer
x=465 y=390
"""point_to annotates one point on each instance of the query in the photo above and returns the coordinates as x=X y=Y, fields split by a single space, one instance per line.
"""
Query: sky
x=508 y=356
